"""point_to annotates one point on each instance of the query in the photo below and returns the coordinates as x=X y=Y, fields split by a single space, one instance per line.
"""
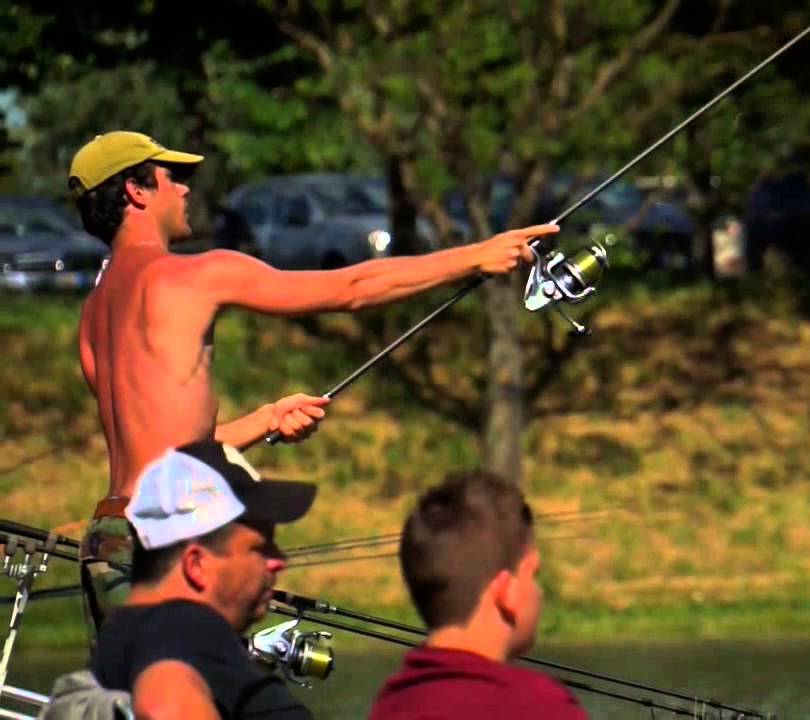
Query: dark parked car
x=777 y=215
x=42 y=246
x=661 y=229
x=298 y=222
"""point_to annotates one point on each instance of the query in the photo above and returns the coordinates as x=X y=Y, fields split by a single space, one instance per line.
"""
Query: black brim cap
x=266 y=501
x=275 y=501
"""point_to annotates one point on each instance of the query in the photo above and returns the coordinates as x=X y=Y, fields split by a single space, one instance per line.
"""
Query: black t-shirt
x=134 y=637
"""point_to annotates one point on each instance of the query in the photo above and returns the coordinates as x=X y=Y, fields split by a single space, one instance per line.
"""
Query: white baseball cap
x=195 y=489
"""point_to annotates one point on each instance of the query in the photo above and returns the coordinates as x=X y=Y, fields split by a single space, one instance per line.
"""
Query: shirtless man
x=146 y=332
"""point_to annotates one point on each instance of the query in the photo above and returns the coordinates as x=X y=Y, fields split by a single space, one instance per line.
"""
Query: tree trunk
x=505 y=411
x=402 y=212
x=703 y=214
x=701 y=203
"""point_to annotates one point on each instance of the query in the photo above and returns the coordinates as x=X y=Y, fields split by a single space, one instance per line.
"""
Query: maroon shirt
x=441 y=684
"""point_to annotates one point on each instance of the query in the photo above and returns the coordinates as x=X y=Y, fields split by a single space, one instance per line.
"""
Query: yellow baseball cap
x=108 y=154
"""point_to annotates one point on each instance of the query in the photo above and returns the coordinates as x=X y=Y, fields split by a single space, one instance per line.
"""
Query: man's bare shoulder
x=184 y=270
x=182 y=284
x=215 y=275
x=172 y=273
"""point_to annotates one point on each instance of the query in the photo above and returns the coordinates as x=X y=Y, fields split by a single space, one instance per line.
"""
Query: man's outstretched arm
x=223 y=278
x=296 y=417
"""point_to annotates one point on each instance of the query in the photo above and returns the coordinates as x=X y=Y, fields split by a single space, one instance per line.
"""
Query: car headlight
x=379 y=240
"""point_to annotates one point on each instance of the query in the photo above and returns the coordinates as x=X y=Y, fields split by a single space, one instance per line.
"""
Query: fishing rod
x=35 y=541
x=307 y=605
x=296 y=562
x=9 y=529
x=319 y=661
x=48 y=594
x=300 y=655
x=336 y=561
x=15 y=528
x=342 y=545
x=31 y=459
x=558 y=517
x=396 y=640
x=654 y=704
x=555 y=278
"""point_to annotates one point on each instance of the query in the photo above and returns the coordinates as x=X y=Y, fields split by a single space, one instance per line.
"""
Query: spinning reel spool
x=299 y=655
x=557 y=278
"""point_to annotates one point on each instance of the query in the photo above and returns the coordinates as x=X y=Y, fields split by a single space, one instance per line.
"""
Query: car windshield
x=20 y=220
x=617 y=196
x=355 y=196
x=501 y=199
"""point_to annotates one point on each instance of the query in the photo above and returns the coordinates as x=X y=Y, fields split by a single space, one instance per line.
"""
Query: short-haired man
x=146 y=331
x=469 y=561
x=205 y=561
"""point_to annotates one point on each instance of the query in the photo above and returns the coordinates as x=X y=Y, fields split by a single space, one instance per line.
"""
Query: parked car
x=42 y=246
x=663 y=229
x=319 y=221
x=777 y=215
x=503 y=192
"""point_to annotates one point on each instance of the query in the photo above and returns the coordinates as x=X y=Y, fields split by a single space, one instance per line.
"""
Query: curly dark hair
x=102 y=208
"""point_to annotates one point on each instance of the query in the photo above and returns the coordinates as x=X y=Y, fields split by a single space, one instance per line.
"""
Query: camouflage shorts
x=105 y=557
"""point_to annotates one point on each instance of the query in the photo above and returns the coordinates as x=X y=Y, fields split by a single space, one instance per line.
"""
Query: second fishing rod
x=312 y=609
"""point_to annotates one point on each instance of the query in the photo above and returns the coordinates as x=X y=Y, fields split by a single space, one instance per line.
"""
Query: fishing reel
x=557 y=278
x=299 y=655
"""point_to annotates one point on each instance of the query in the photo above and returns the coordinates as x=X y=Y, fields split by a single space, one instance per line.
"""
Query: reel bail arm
x=556 y=279
x=299 y=655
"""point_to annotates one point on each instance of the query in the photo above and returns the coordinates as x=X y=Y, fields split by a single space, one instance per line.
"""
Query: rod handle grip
x=274 y=437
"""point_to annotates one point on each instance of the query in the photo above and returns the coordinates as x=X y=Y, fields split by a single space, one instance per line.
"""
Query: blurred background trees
x=438 y=97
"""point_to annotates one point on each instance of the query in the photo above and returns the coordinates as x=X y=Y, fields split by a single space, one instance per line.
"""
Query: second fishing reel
x=299 y=655
x=557 y=278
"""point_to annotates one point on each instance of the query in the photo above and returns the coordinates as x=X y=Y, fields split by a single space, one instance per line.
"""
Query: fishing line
x=556 y=517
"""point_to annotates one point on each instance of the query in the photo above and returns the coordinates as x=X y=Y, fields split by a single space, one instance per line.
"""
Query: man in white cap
x=146 y=332
x=204 y=564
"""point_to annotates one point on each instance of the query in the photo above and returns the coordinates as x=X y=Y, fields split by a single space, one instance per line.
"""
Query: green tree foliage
x=459 y=92
x=262 y=127
x=75 y=105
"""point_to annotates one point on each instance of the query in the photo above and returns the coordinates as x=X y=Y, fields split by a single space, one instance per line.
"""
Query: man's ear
x=504 y=593
x=136 y=194
x=194 y=565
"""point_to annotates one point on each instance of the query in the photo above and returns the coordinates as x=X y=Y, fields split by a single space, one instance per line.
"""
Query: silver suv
x=318 y=221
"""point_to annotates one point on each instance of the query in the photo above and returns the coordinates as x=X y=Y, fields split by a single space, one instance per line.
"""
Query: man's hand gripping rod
x=541 y=272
